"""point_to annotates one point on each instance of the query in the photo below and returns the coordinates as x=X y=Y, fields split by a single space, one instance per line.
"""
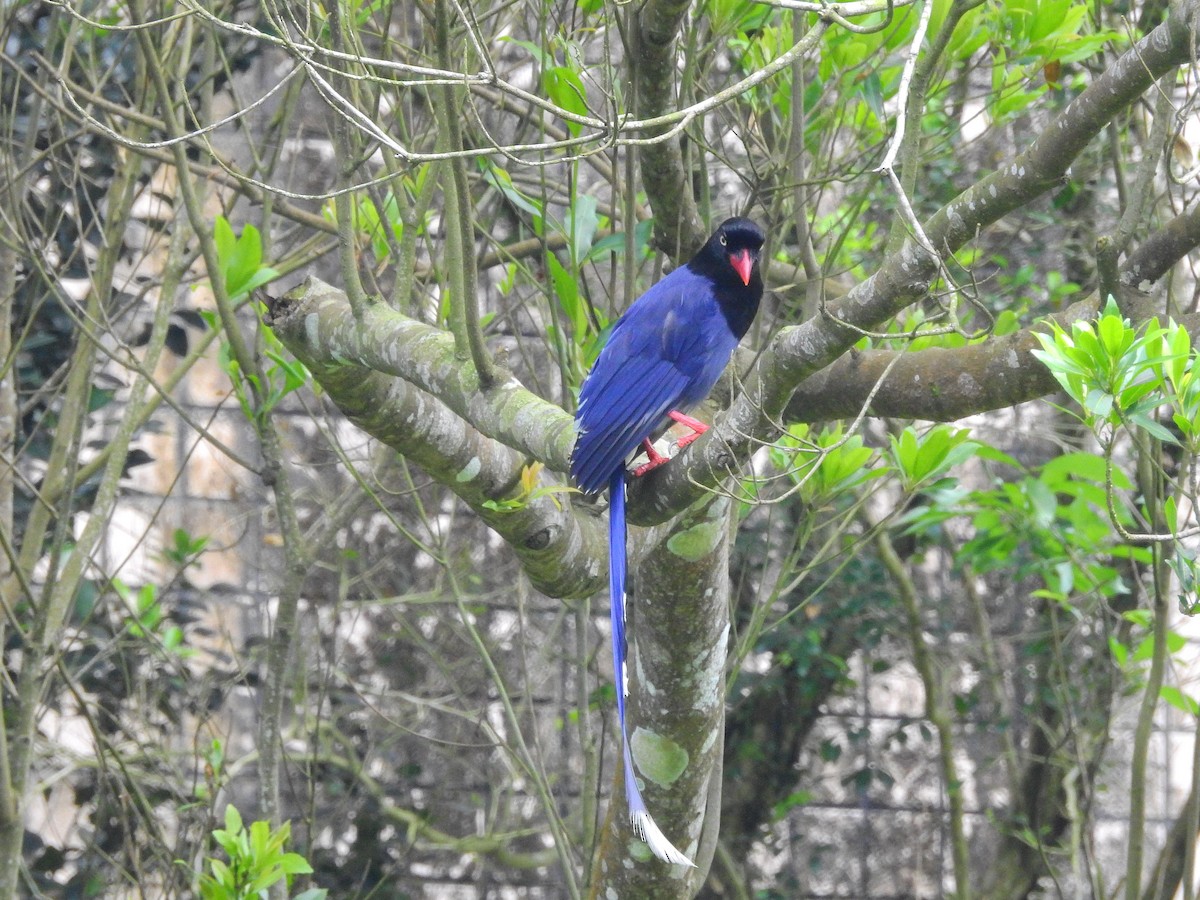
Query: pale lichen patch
x=695 y=543
x=469 y=471
x=643 y=680
x=312 y=329
x=659 y=759
x=708 y=671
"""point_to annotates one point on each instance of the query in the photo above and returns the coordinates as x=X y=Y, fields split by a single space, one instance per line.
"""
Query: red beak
x=742 y=263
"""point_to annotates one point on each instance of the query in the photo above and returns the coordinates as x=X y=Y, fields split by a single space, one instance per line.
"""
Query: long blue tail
x=639 y=817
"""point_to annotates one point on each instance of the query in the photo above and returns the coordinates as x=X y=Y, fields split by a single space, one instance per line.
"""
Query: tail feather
x=643 y=823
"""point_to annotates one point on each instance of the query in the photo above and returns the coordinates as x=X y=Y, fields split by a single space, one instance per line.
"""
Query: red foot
x=698 y=428
x=655 y=458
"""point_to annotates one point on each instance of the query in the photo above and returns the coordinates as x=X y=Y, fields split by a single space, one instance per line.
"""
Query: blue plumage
x=664 y=355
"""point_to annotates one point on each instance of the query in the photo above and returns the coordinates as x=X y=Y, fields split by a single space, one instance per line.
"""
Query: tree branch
x=558 y=547
x=1155 y=256
x=680 y=636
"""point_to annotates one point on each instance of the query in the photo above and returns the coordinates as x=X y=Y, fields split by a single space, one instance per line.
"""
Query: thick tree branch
x=317 y=319
x=680 y=635
x=560 y=548
x=905 y=276
x=943 y=384
x=1155 y=256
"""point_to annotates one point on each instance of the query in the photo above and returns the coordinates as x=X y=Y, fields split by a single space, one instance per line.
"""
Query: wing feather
x=665 y=353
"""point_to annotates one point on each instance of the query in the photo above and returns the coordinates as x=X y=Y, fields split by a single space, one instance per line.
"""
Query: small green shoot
x=529 y=491
x=240 y=259
x=257 y=860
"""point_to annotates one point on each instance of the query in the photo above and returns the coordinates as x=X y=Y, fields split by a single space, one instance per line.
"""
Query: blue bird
x=664 y=355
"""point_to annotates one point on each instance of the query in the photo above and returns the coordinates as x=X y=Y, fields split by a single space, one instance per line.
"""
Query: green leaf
x=1152 y=427
x=1179 y=700
x=259 y=832
x=566 y=289
x=99 y=397
x=240 y=259
x=790 y=802
x=294 y=864
x=1079 y=465
x=543 y=59
x=224 y=239
x=615 y=243
x=502 y=181
x=1119 y=651
x=926 y=458
x=1143 y=618
x=581 y=226
x=565 y=89
x=221 y=874
x=1044 y=503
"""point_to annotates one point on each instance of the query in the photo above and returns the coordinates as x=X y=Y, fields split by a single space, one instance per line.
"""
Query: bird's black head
x=730 y=261
x=730 y=256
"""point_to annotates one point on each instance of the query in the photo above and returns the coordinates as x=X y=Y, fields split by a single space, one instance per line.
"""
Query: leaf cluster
x=257 y=861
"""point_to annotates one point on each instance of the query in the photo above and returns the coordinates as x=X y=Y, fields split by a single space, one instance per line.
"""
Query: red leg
x=655 y=458
x=695 y=424
x=698 y=428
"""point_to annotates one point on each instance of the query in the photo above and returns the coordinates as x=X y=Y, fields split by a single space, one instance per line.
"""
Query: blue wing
x=666 y=352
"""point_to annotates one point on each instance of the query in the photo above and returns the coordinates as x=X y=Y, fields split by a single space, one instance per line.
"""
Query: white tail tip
x=645 y=828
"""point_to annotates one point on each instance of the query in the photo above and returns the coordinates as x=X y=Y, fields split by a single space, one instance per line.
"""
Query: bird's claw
x=654 y=459
x=664 y=451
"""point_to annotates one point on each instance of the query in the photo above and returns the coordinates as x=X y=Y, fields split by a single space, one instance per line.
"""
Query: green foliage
x=570 y=298
x=1048 y=525
x=257 y=860
x=378 y=223
x=565 y=88
x=146 y=619
x=575 y=341
x=214 y=771
x=240 y=259
x=727 y=18
x=380 y=219
x=561 y=83
x=924 y=458
x=1128 y=380
x=1113 y=371
x=242 y=271
x=1133 y=658
x=185 y=550
x=580 y=227
x=502 y=181
x=1027 y=37
x=1123 y=376
x=826 y=464
x=146 y=613
x=283 y=376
